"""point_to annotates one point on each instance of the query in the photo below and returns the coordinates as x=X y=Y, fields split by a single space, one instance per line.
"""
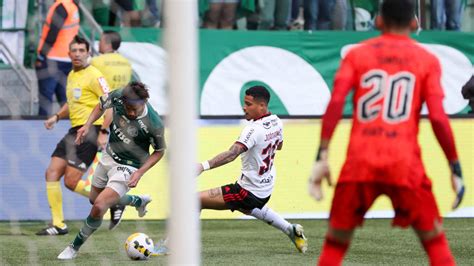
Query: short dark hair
x=398 y=13
x=135 y=92
x=113 y=38
x=78 y=39
x=259 y=92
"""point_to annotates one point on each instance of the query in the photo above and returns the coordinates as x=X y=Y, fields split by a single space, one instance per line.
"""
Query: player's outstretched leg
x=139 y=202
x=297 y=237
x=294 y=231
x=116 y=213
x=90 y=226
x=68 y=253
x=141 y=209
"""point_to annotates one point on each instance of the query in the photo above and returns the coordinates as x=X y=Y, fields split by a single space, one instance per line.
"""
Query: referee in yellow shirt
x=116 y=69
x=85 y=84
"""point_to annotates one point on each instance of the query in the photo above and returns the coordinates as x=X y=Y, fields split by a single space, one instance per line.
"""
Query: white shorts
x=111 y=174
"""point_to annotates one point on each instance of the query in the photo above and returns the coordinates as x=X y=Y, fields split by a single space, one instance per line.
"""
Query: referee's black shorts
x=78 y=156
x=238 y=198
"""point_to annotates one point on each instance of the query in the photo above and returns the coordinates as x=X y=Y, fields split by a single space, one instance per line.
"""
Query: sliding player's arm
x=223 y=158
x=247 y=139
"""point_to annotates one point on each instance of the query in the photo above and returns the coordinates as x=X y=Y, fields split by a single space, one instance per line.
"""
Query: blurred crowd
x=62 y=22
x=272 y=14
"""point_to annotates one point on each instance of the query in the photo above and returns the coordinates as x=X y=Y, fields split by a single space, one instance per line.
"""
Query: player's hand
x=457 y=183
x=319 y=172
x=102 y=141
x=136 y=176
x=200 y=169
x=50 y=122
x=38 y=63
x=81 y=134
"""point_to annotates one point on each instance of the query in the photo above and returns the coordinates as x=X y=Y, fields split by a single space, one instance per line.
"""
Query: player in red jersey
x=391 y=77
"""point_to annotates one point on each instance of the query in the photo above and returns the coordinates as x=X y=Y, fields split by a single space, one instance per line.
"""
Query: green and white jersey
x=130 y=140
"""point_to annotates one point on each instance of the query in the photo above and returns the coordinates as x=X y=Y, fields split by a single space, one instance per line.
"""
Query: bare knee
x=72 y=176
x=70 y=182
x=98 y=209
x=53 y=174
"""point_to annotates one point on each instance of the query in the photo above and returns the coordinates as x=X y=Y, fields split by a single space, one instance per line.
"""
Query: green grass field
x=233 y=242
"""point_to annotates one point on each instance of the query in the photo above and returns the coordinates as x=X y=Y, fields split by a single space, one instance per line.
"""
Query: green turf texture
x=233 y=242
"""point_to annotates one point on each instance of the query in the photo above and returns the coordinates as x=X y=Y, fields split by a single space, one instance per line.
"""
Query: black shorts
x=78 y=156
x=238 y=198
x=126 y=5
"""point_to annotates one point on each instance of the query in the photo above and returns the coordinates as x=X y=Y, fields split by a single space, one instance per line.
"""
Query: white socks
x=272 y=218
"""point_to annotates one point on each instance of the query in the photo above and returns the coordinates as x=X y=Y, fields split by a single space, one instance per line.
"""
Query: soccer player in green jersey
x=135 y=126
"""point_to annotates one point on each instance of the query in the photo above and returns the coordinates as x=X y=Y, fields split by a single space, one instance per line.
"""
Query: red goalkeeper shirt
x=391 y=77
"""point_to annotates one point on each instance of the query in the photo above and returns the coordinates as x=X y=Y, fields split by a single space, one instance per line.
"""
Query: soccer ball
x=139 y=246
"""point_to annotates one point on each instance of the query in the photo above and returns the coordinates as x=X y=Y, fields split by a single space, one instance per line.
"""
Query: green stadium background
x=322 y=51
x=317 y=55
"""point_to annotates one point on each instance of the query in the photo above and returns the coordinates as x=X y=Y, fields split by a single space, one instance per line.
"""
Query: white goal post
x=180 y=41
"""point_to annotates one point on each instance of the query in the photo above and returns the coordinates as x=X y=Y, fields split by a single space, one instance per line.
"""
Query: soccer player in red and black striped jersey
x=391 y=77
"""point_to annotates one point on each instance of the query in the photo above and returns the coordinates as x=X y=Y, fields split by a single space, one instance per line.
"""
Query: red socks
x=438 y=251
x=333 y=252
